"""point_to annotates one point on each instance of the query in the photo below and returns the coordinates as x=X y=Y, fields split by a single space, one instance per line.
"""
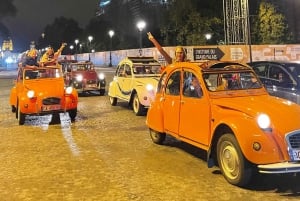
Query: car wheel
x=13 y=109
x=234 y=166
x=73 y=114
x=20 y=116
x=101 y=92
x=157 y=137
x=113 y=100
x=137 y=107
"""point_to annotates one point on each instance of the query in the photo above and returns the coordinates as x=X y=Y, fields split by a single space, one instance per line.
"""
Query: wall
x=239 y=53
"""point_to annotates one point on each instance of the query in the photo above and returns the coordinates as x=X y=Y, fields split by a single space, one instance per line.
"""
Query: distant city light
x=104 y=3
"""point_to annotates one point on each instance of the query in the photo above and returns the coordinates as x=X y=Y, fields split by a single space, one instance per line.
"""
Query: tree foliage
x=271 y=27
x=189 y=21
x=180 y=23
x=61 y=30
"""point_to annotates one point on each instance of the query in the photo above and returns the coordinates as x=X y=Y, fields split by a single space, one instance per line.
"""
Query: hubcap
x=230 y=161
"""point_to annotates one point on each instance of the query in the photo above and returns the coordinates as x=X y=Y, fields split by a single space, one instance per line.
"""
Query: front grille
x=51 y=101
x=294 y=140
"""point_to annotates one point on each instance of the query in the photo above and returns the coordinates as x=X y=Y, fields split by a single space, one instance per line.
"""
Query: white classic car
x=135 y=82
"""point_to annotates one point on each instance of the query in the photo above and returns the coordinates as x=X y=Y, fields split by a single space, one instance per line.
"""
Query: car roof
x=282 y=62
x=141 y=60
x=216 y=66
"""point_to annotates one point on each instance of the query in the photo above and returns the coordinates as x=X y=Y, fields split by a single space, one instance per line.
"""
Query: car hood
x=86 y=74
x=279 y=110
x=46 y=87
x=149 y=80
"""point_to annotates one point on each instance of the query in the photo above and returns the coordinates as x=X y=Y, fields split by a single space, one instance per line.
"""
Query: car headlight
x=30 y=94
x=149 y=87
x=69 y=90
x=101 y=76
x=263 y=121
x=79 y=78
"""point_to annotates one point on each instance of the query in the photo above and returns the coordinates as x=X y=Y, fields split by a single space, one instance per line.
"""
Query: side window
x=281 y=77
x=173 y=84
x=191 y=85
x=260 y=70
x=161 y=82
x=120 y=71
x=127 y=70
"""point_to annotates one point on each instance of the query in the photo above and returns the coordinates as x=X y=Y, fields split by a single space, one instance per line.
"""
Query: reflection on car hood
x=56 y=88
x=148 y=80
x=278 y=109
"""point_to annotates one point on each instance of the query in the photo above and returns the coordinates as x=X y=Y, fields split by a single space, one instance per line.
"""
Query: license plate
x=296 y=155
x=50 y=107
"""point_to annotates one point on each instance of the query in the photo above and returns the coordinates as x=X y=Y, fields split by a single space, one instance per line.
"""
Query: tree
x=61 y=30
x=271 y=27
x=188 y=22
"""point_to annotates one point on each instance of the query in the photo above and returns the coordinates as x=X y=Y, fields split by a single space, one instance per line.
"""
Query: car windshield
x=147 y=69
x=82 y=67
x=230 y=81
x=30 y=74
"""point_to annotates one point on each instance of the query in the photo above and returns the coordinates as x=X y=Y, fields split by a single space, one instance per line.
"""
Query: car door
x=194 y=109
x=171 y=104
x=124 y=82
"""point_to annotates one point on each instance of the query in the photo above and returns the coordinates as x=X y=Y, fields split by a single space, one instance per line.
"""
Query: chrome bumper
x=276 y=168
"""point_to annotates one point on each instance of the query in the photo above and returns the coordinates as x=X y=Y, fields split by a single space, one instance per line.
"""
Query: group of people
x=48 y=58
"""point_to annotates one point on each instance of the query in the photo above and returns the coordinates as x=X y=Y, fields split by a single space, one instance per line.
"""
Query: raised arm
x=160 y=49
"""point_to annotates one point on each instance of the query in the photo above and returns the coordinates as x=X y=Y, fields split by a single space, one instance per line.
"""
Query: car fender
x=248 y=136
x=155 y=113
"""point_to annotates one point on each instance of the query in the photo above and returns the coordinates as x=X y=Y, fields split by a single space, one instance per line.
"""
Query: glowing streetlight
x=90 y=38
x=141 y=26
x=208 y=36
x=111 y=33
x=76 y=43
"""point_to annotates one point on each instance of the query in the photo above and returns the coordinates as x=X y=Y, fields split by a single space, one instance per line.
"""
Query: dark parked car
x=281 y=78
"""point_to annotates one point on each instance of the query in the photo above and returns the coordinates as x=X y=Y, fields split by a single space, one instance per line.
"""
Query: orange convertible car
x=41 y=90
x=223 y=108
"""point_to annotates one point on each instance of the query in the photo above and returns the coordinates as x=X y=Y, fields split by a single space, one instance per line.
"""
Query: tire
x=20 y=116
x=113 y=101
x=234 y=166
x=137 y=107
x=157 y=137
x=73 y=114
x=13 y=109
x=101 y=92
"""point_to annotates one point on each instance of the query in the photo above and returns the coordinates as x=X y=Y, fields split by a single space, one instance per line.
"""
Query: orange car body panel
x=196 y=121
x=50 y=86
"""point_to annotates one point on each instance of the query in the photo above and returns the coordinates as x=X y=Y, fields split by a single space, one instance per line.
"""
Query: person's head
x=32 y=53
x=179 y=54
x=50 y=50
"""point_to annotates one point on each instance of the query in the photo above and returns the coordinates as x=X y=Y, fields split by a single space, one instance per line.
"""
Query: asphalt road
x=107 y=154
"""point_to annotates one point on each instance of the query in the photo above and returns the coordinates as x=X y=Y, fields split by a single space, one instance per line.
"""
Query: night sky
x=33 y=15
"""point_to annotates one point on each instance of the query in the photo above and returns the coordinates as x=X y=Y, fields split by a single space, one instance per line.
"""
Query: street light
x=208 y=37
x=111 y=33
x=90 y=38
x=76 y=48
x=141 y=25
x=71 y=48
x=76 y=43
